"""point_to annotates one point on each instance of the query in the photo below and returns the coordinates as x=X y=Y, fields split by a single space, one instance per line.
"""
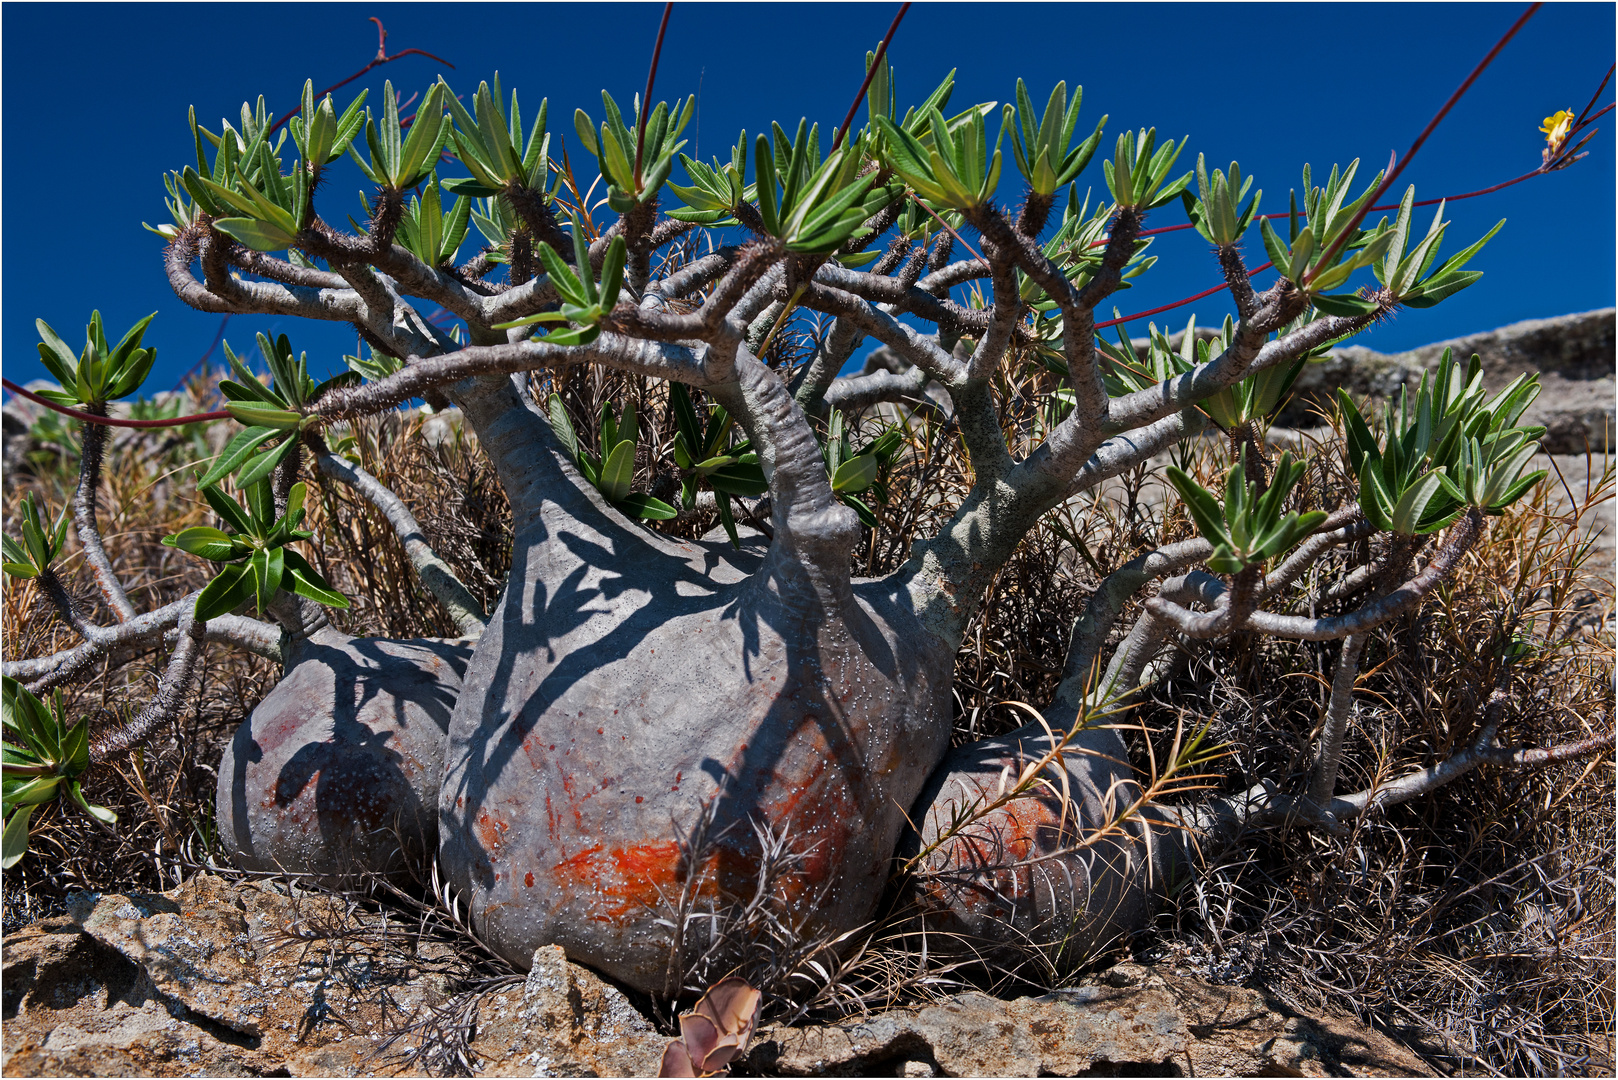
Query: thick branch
x=434 y=572
x=857 y=393
x=84 y=518
x=166 y=702
x=1247 y=354
x=662 y=361
x=1462 y=536
x=1339 y=706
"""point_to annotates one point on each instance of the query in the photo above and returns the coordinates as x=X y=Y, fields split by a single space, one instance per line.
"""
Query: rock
x=565 y=1021
x=336 y=772
x=236 y=979
x=196 y=981
x=1137 y=1018
x=1574 y=354
x=193 y=955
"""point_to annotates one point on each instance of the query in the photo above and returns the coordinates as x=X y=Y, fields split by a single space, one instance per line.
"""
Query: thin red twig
x=1177 y=303
x=1604 y=79
x=881 y=51
x=1394 y=170
x=381 y=58
x=646 y=99
x=111 y=421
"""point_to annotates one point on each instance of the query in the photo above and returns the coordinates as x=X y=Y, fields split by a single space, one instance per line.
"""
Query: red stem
x=1177 y=303
x=1603 y=86
x=1394 y=171
x=381 y=58
x=881 y=51
x=109 y=421
x=646 y=98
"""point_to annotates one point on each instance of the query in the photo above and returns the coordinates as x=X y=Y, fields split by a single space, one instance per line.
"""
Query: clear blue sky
x=95 y=101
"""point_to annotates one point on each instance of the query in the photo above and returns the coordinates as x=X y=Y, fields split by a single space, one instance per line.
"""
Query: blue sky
x=95 y=98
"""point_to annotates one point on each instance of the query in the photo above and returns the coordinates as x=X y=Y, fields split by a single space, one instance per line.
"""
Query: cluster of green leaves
x=399 y=161
x=41 y=758
x=1138 y=177
x=257 y=561
x=614 y=147
x=715 y=191
x=854 y=472
x=809 y=205
x=950 y=163
x=430 y=233
x=584 y=303
x=183 y=213
x=612 y=472
x=1326 y=218
x=492 y=147
x=379 y=366
x=1246 y=528
x=1402 y=275
x=1216 y=210
x=54 y=446
x=274 y=412
x=882 y=98
x=244 y=190
x=100 y=373
x=704 y=453
x=322 y=136
x=41 y=541
x=1446 y=451
x=1040 y=147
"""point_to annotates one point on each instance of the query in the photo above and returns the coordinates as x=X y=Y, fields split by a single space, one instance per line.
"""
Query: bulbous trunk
x=1062 y=872
x=625 y=683
x=337 y=770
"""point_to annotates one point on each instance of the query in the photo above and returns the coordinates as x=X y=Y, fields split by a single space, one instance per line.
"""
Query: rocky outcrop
x=248 y=979
x=1134 y=1021
x=1574 y=355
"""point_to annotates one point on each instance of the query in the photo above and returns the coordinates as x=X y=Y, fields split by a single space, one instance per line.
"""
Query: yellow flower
x=1556 y=127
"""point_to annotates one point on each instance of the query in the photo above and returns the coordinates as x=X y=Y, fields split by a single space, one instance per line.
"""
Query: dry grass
x=1477 y=921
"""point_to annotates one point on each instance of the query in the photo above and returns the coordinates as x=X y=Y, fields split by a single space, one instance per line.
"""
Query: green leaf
x=229 y=509
x=618 y=472
x=260 y=416
x=562 y=427
x=308 y=583
x=238 y=450
x=266 y=568
x=744 y=479
x=14 y=841
x=225 y=593
x=1412 y=504
x=1344 y=305
x=1225 y=561
x=200 y=540
x=646 y=507
x=855 y=474
x=99 y=813
x=866 y=515
x=1201 y=505
x=261 y=466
